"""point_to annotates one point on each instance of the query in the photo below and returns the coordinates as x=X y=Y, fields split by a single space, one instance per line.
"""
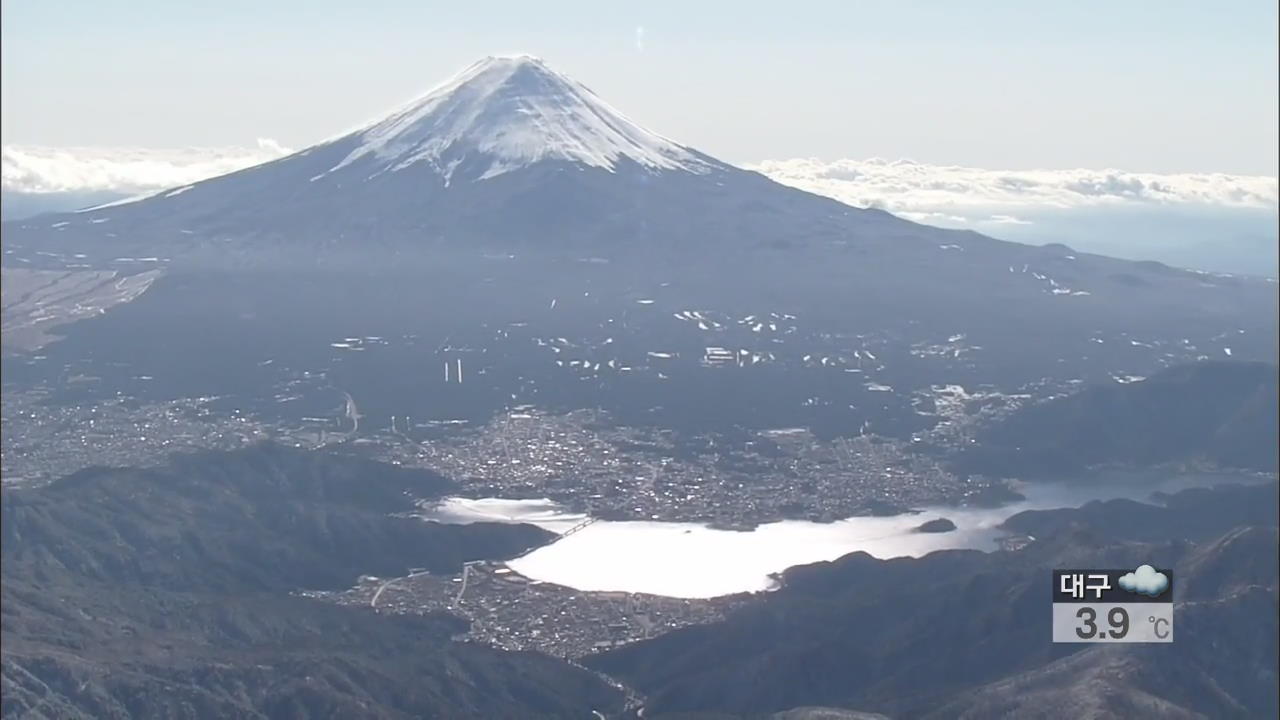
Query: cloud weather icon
x=1146 y=580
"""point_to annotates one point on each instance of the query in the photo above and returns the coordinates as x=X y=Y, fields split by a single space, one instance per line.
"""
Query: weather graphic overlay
x=1113 y=606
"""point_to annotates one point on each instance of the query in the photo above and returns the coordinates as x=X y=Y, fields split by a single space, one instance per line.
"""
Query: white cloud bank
x=944 y=194
x=954 y=194
x=1209 y=221
x=34 y=169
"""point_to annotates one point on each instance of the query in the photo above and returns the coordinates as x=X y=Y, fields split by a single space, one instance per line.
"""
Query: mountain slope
x=508 y=152
x=1193 y=514
x=1223 y=412
x=98 y=650
x=170 y=593
x=1222 y=624
x=511 y=158
x=266 y=519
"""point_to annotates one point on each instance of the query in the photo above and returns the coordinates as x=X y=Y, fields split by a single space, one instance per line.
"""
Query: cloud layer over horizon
x=957 y=195
x=37 y=169
x=945 y=194
x=1211 y=221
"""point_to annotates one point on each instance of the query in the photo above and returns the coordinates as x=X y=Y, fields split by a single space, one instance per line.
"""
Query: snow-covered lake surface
x=693 y=561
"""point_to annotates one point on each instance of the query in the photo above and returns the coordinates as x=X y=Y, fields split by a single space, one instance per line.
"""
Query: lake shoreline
x=694 y=560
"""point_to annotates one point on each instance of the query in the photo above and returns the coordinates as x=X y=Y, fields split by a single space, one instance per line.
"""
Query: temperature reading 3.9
x=1113 y=605
x=1117 y=618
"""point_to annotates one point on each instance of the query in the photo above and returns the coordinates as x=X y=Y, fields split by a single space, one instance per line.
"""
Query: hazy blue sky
x=1155 y=86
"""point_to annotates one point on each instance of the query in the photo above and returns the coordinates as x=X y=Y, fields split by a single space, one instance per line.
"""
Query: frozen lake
x=693 y=561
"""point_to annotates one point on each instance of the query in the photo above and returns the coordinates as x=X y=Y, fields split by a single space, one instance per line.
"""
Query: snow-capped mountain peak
x=508 y=112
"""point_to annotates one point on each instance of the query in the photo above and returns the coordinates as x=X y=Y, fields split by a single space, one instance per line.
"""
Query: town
x=579 y=459
x=583 y=462
x=512 y=612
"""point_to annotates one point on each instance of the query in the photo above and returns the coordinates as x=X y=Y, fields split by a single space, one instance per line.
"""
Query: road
x=373 y=601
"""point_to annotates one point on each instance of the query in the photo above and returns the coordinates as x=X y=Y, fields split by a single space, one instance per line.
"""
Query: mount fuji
x=508 y=153
x=512 y=187
x=506 y=113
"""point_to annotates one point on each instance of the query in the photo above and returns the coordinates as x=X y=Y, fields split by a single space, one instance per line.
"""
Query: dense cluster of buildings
x=43 y=441
x=510 y=611
x=588 y=464
x=580 y=459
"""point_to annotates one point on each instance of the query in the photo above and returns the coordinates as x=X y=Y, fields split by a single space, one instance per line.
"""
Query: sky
x=1156 y=87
